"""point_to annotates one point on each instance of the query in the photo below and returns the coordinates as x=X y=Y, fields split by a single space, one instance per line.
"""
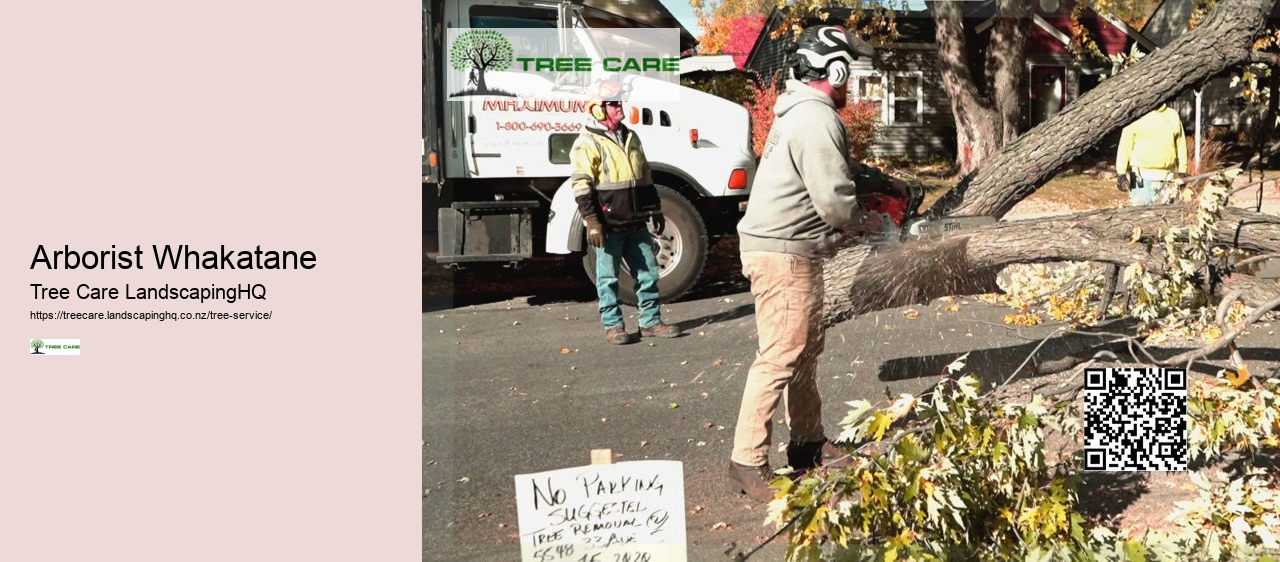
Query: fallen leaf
x=485 y=514
x=706 y=395
x=565 y=350
x=717 y=362
x=697 y=509
x=707 y=425
x=516 y=323
x=721 y=526
x=685 y=362
x=953 y=308
x=464 y=479
x=702 y=443
x=672 y=406
x=911 y=313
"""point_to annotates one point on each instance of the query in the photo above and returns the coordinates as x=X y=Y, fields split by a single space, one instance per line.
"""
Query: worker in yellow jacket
x=1154 y=149
x=613 y=187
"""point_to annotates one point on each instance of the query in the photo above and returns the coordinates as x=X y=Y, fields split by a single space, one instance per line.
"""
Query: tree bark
x=1006 y=60
x=866 y=278
x=988 y=118
x=1224 y=40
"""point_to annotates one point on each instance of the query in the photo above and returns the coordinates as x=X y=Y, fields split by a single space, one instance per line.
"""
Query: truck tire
x=682 y=252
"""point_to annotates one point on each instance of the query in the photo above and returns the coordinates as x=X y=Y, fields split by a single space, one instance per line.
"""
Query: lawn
x=1077 y=186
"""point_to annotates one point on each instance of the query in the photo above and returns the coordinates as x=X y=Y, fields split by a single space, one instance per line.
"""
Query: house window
x=900 y=103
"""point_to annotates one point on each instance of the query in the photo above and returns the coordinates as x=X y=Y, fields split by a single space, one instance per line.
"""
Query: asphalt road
x=511 y=387
x=517 y=379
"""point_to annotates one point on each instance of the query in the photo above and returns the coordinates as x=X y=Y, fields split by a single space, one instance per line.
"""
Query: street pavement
x=524 y=382
x=512 y=388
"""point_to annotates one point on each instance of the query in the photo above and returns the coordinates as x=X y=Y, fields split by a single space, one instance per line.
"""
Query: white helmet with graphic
x=826 y=51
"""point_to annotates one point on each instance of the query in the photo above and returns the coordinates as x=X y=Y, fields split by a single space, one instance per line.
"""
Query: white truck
x=495 y=169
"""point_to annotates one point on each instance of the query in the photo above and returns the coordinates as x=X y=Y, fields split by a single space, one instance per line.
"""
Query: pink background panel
x=283 y=123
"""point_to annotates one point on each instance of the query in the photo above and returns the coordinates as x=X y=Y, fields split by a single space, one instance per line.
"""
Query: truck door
x=431 y=137
x=524 y=123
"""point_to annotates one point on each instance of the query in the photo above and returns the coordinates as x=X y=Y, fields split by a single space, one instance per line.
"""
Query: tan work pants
x=788 y=296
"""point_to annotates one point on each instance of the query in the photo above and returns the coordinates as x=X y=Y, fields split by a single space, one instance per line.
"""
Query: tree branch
x=1272 y=59
x=1228 y=338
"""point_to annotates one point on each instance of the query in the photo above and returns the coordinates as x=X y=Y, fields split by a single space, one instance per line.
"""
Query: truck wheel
x=682 y=252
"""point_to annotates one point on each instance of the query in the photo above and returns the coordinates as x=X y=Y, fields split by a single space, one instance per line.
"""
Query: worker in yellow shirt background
x=1154 y=149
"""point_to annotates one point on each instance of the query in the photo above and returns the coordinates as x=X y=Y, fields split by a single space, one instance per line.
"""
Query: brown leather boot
x=660 y=330
x=753 y=480
x=617 y=335
x=804 y=456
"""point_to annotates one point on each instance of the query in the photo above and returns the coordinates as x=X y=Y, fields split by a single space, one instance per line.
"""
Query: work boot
x=804 y=456
x=617 y=335
x=752 y=480
x=660 y=330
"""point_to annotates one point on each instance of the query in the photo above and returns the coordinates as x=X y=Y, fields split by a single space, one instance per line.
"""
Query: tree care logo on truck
x=475 y=52
x=544 y=62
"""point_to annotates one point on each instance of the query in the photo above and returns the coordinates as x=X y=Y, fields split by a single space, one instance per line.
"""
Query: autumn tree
x=717 y=20
x=987 y=108
x=861 y=279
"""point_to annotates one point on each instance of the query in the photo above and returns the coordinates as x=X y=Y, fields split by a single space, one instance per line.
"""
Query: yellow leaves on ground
x=911 y=313
x=1023 y=318
x=1236 y=378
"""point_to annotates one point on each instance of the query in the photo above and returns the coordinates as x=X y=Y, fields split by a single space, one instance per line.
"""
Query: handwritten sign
x=625 y=512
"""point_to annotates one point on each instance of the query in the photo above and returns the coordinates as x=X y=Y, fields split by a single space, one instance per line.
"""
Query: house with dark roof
x=903 y=79
x=1221 y=106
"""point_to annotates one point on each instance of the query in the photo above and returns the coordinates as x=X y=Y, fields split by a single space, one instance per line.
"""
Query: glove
x=658 y=223
x=595 y=232
x=1122 y=182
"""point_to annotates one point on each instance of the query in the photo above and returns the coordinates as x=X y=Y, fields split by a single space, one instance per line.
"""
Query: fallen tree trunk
x=1222 y=41
x=863 y=279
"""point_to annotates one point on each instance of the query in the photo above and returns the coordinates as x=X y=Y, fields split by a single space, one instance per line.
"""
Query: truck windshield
x=510 y=17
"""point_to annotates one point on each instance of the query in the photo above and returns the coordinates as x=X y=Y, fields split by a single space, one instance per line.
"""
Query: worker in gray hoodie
x=802 y=205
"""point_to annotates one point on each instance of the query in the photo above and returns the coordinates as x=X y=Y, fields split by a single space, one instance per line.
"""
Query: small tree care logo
x=478 y=51
x=54 y=347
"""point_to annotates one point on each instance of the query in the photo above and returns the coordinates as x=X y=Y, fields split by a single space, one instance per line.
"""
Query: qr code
x=1135 y=419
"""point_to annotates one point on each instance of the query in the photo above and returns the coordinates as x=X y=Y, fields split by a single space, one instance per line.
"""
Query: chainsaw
x=901 y=221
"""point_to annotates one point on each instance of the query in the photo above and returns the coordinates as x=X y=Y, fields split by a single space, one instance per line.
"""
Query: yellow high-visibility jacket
x=1153 y=143
x=612 y=181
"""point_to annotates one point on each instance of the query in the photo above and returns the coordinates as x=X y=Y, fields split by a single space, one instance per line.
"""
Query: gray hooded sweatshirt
x=802 y=199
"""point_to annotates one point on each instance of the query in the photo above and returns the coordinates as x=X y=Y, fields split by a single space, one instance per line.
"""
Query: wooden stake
x=602 y=456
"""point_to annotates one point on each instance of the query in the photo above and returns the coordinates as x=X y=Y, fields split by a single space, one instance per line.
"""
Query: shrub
x=733 y=86
x=1210 y=155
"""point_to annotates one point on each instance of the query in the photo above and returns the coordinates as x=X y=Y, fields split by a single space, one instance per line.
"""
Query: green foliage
x=1172 y=298
x=964 y=480
x=953 y=476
